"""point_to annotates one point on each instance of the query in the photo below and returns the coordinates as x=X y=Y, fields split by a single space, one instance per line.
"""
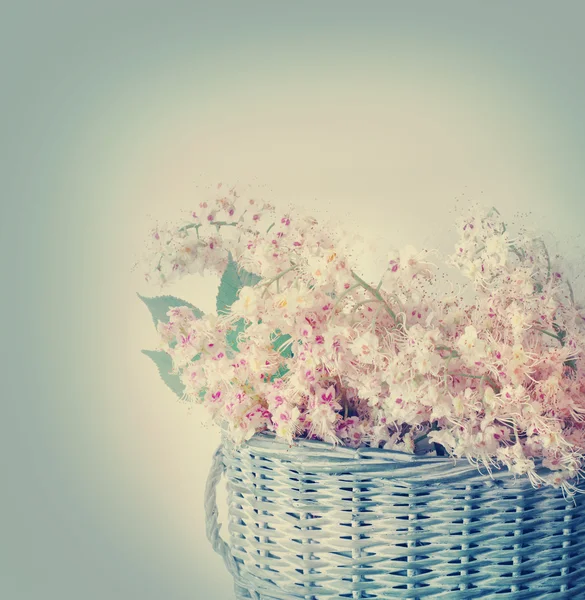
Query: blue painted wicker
x=317 y=522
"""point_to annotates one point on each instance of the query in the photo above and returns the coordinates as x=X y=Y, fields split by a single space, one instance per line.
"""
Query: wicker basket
x=317 y=522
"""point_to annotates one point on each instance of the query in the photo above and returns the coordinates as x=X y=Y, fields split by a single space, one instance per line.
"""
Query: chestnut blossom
x=247 y=303
x=494 y=371
x=365 y=347
x=471 y=347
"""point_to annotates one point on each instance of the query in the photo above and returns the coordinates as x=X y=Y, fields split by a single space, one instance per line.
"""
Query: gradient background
x=382 y=113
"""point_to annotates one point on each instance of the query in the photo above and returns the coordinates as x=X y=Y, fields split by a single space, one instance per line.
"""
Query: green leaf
x=232 y=281
x=159 y=306
x=165 y=366
x=278 y=340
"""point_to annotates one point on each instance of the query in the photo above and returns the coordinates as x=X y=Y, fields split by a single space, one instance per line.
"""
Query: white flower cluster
x=321 y=353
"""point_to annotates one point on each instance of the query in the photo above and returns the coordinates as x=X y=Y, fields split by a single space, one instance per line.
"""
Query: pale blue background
x=111 y=111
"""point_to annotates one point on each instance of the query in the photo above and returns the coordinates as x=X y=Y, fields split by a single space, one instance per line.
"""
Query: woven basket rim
x=318 y=456
x=347 y=452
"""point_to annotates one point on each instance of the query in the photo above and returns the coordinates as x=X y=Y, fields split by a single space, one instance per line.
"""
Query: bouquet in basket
x=303 y=346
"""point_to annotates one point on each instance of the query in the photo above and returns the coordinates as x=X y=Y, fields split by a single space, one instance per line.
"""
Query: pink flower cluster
x=494 y=371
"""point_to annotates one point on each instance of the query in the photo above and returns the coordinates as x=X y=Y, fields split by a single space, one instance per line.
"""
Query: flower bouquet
x=402 y=438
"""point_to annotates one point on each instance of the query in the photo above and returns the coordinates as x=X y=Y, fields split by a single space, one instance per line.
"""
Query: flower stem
x=381 y=280
x=546 y=332
x=268 y=283
x=344 y=294
x=219 y=224
x=375 y=293
x=547 y=255
x=571 y=294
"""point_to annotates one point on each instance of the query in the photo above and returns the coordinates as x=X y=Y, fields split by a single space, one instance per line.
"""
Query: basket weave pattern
x=317 y=522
